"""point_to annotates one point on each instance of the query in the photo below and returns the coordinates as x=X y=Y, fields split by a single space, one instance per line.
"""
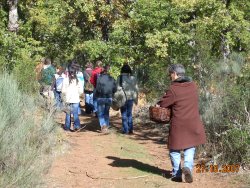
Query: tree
x=13 y=15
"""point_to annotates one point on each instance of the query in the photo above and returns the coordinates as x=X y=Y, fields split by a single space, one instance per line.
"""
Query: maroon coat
x=186 y=128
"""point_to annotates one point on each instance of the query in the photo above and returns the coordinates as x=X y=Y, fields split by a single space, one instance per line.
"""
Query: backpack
x=119 y=98
x=88 y=85
x=59 y=83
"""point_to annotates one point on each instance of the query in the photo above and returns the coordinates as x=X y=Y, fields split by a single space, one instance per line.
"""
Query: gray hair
x=177 y=68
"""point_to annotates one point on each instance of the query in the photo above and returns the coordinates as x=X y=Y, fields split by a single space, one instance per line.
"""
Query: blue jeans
x=74 y=111
x=89 y=105
x=127 y=119
x=58 y=99
x=175 y=156
x=103 y=110
x=79 y=109
x=95 y=102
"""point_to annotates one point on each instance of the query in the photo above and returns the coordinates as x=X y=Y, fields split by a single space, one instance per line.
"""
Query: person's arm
x=136 y=92
x=114 y=86
x=85 y=76
x=64 y=89
x=167 y=100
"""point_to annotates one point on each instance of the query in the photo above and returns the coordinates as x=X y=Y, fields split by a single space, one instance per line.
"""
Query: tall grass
x=26 y=139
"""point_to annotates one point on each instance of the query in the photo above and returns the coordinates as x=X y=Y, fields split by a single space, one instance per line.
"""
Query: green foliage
x=236 y=146
x=205 y=36
x=25 y=75
x=25 y=143
x=225 y=103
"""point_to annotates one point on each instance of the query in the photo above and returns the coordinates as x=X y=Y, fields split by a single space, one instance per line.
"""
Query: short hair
x=177 y=68
x=47 y=61
x=126 y=69
x=60 y=70
x=105 y=69
x=99 y=63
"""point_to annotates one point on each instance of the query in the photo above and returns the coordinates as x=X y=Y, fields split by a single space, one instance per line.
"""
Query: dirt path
x=116 y=160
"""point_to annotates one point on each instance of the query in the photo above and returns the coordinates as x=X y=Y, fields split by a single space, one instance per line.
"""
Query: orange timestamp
x=202 y=168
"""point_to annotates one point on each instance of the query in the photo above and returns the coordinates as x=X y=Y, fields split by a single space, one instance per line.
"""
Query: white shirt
x=72 y=90
x=57 y=75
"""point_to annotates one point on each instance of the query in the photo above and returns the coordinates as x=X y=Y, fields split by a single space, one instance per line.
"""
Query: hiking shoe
x=104 y=129
x=176 y=179
x=66 y=129
x=187 y=175
x=77 y=129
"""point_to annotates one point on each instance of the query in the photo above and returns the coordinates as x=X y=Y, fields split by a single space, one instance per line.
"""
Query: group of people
x=186 y=129
x=67 y=85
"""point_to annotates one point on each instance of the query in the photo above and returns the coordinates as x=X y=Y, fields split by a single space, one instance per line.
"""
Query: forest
x=211 y=38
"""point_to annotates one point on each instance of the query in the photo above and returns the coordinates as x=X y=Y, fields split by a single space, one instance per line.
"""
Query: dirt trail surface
x=115 y=160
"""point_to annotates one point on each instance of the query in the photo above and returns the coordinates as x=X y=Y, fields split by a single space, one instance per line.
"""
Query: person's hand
x=157 y=105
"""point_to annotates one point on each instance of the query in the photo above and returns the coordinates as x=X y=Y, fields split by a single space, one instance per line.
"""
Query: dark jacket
x=105 y=86
x=186 y=128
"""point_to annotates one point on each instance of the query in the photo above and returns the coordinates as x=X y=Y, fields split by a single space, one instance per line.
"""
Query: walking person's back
x=186 y=129
x=105 y=88
x=46 y=80
x=88 y=89
x=71 y=91
x=93 y=79
x=47 y=73
x=129 y=85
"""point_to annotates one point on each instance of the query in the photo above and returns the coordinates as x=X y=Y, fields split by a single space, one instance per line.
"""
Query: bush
x=26 y=139
x=225 y=105
x=24 y=73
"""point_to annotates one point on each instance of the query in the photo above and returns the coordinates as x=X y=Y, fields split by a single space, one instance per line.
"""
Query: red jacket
x=93 y=77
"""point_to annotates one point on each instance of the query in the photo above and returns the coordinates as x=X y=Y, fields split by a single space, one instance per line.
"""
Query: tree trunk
x=105 y=25
x=13 y=15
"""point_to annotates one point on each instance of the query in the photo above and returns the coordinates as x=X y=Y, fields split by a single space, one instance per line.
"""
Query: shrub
x=225 y=103
x=26 y=139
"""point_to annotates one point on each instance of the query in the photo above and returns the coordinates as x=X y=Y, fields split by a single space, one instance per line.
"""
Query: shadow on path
x=118 y=162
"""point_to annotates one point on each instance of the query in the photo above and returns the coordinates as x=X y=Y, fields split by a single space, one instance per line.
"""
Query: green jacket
x=47 y=75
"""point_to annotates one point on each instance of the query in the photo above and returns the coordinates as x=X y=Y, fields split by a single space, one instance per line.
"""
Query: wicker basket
x=160 y=115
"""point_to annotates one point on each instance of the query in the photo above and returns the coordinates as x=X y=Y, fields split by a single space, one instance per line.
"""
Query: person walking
x=186 y=128
x=105 y=88
x=129 y=85
x=57 y=86
x=88 y=89
x=71 y=91
x=93 y=79
x=47 y=75
x=80 y=78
